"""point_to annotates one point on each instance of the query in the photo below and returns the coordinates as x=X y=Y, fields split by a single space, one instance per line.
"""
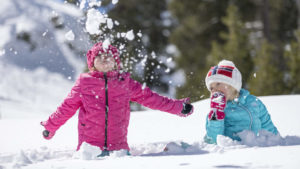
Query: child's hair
x=225 y=72
x=233 y=93
x=99 y=49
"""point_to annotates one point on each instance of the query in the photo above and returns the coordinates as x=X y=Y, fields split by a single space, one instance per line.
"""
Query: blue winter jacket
x=246 y=112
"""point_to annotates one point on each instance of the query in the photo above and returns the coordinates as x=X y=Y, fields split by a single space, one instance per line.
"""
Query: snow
x=169 y=60
x=94 y=20
x=33 y=35
x=70 y=36
x=29 y=97
x=130 y=35
x=93 y=3
x=82 y=4
x=139 y=34
x=115 y=2
x=110 y=23
x=2 y=52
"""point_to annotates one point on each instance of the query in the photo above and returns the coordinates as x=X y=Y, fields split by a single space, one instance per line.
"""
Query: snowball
x=121 y=46
x=153 y=55
x=94 y=20
x=167 y=70
x=110 y=24
x=123 y=34
x=94 y=3
x=70 y=36
x=130 y=35
x=139 y=34
x=45 y=33
x=82 y=4
x=115 y=1
x=106 y=44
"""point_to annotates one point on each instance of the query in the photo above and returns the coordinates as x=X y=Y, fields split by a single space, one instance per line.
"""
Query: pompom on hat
x=225 y=72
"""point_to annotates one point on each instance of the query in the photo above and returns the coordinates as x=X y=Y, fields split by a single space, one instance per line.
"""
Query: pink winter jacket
x=103 y=100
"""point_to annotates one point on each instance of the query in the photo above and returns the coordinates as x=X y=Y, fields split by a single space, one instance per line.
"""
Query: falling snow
x=2 y=52
x=70 y=36
x=130 y=35
x=115 y=2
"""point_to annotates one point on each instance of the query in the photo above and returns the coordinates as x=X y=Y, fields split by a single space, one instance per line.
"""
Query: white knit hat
x=225 y=72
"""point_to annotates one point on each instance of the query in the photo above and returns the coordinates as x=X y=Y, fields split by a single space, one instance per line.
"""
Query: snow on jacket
x=104 y=103
x=245 y=113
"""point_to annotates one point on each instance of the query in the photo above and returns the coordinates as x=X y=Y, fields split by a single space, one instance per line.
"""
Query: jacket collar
x=110 y=74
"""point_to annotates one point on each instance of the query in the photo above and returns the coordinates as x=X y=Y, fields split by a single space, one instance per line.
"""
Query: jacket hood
x=98 y=48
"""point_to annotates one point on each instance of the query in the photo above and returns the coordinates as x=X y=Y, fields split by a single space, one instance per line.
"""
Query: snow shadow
x=266 y=139
x=167 y=149
x=230 y=166
x=175 y=153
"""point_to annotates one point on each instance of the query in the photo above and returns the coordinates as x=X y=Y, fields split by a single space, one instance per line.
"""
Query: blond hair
x=233 y=93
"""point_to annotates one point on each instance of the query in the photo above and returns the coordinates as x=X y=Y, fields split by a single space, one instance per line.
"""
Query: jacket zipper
x=251 y=119
x=106 y=111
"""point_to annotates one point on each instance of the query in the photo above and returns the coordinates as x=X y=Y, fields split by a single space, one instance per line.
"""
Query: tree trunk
x=298 y=7
x=266 y=19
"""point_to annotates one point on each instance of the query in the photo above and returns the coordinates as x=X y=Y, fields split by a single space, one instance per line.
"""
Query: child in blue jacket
x=233 y=109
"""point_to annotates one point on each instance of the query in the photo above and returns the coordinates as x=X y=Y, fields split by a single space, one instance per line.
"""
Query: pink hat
x=225 y=72
x=98 y=48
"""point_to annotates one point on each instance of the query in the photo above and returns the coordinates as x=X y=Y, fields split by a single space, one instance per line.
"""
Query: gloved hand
x=217 y=106
x=47 y=134
x=187 y=108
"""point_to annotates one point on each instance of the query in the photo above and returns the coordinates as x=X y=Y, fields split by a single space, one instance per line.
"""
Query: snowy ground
x=22 y=146
x=28 y=96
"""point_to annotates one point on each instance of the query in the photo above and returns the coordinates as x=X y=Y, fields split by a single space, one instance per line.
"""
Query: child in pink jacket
x=103 y=98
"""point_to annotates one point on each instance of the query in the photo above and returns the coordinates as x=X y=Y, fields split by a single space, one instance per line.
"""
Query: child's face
x=229 y=92
x=104 y=62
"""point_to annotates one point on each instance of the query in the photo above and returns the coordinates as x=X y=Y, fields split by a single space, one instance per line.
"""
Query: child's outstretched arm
x=64 y=112
x=148 y=98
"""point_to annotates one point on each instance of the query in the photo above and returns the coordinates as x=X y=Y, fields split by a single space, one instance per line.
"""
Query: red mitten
x=217 y=106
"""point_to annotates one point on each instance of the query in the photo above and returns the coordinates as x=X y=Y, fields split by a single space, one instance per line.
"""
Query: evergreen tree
x=279 y=19
x=292 y=54
x=236 y=47
x=199 y=23
x=267 y=77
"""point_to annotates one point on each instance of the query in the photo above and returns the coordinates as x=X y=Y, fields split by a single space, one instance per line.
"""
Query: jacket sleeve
x=213 y=129
x=265 y=118
x=148 y=98
x=66 y=110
